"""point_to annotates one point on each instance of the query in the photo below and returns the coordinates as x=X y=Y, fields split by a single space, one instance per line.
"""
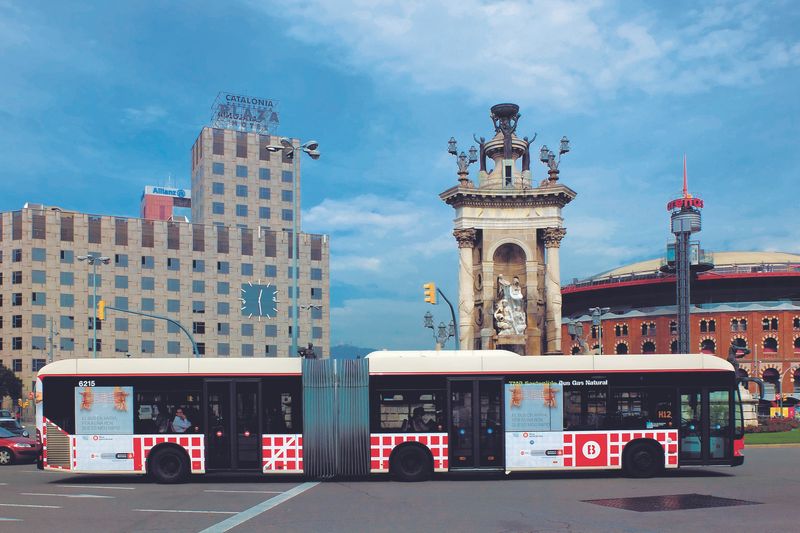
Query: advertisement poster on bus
x=103 y=410
x=104 y=453
x=534 y=407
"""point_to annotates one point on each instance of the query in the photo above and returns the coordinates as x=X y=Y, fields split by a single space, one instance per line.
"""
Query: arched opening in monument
x=510 y=303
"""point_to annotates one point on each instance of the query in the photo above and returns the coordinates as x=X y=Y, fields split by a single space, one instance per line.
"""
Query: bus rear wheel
x=411 y=463
x=642 y=460
x=168 y=465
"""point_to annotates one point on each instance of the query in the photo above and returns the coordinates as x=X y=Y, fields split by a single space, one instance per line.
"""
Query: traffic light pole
x=191 y=339
x=453 y=315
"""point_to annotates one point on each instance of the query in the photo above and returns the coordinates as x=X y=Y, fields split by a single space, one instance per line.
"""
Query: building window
x=95 y=230
x=223 y=308
x=148 y=325
x=286 y=215
x=67 y=300
x=247 y=330
x=201 y=348
x=198 y=307
x=270 y=244
x=173 y=347
x=38 y=321
x=263 y=152
x=241 y=144
x=708 y=326
x=148 y=234
x=120 y=324
x=37 y=343
x=16 y=299
x=16 y=277
x=769 y=324
x=316 y=274
x=38 y=228
x=199 y=328
x=241 y=171
x=37 y=364
x=770 y=345
x=708 y=346
x=173 y=263
x=67 y=344
x=16 y=321
x=621 y=348
x=217 y=188
x=241 y=191
x=247 y=350
x=223 y=241
x=621 y=330
x=67 y=228
x=223 y=287
x=67 y=256
x=121 y=345
x=241 y=210
x=148 y=261
x=93 y=321
x=121 y=260
x=198 y=265
x=174 y=285
x=316 y=293
x=649 y=329
x=148 y=346
x=247 y=241
x=247 y=269
x=270 y=350
x=120 y=232
x=797 y=345
x=796 y=322
x=263 y=173
x=121 y=282
x=198 y=286
x=316 y=332
x=217 y=208
x=286 y=176
x=173 y=306
x=218 y=141
x=270 y=330
x=38 y=276
x=223 y=328
x=198 y=238
x=38 y=298
x=16 y=255
x=98 y=345
x=263 y=213
x=739 y=324
x=316 y=312
x=286 y=196
x=673 y=328
x=148 y=304
x=38 y=254
x=67 y=322
x=16 y=365
x=223 y=349
x=148 y=283
x=173 y=236
x=223 y=267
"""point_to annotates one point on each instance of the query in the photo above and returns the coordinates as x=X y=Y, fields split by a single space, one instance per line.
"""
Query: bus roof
x=397 y=363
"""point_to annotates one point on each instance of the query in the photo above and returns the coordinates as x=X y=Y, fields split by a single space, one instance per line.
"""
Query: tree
x=10 y=384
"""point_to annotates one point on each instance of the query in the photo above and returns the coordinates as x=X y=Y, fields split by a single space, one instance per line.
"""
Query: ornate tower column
x=466 y=299
x=552 y=290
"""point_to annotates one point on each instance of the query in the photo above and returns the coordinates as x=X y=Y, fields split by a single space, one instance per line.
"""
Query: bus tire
x=411 y=463
x=168 y=465
x=643 y=459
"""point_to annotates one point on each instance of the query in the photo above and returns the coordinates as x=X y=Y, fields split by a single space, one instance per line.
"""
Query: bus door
x=705 y=425
x=476 y=425
x=233 y=424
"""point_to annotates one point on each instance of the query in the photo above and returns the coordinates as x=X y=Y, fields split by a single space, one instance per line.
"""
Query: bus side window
x=585 y=408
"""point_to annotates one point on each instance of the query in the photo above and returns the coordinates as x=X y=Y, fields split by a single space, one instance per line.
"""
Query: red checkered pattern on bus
x=193 y=444
x=603 y=449
x=282 y=453
x=382 y=444
x=44 y=445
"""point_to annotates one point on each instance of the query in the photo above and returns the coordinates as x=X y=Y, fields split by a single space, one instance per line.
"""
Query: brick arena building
x=751 y=298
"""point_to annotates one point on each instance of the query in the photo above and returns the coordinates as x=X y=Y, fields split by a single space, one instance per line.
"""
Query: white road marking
x=182 y=511
x=266 y=505
x=94 y=487
x=3 y=483
x=65 y=495
x=246 y=491
x=10 y=519
x=30 y=505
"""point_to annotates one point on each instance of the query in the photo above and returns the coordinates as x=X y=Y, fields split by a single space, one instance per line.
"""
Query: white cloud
x=563 y=53
x=144 y=116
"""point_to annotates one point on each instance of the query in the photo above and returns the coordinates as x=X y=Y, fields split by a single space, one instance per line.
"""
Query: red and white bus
x=406 y=413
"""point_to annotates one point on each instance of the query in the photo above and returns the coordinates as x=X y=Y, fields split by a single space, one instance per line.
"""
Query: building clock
x=259 y=300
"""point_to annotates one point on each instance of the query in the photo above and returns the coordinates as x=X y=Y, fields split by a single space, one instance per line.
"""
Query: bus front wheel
x=642 y=459
x=411 y=463
x=168 y=465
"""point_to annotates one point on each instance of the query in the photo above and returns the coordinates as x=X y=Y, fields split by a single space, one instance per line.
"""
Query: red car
x=14 y=449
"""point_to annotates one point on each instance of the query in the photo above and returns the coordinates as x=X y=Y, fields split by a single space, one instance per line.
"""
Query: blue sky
x=100 y=99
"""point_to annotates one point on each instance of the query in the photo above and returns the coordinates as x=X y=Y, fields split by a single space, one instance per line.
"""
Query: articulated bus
x=409 y=414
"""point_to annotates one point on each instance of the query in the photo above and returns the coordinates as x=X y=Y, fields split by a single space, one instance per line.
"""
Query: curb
x=783 y=445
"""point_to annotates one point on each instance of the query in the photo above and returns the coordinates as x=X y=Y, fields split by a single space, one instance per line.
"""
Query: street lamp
x=291 y=151
x=441 y=332
x=547 y=157
x=94 y=260
x=597 y=320
x=462 y=160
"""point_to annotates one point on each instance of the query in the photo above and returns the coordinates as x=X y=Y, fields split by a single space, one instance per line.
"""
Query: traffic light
x=101 y=310
x=430 y=293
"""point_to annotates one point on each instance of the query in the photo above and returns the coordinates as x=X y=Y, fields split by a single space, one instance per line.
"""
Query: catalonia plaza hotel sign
x=245 y=113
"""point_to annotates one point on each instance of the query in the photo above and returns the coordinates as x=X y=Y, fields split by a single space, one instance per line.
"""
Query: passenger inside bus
x=417 y=422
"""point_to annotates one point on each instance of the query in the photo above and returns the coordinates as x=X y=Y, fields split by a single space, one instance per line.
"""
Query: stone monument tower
x=509 y=230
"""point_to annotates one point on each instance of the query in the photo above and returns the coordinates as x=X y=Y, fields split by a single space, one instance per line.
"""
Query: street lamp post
x=93 y=260
x=287 y=147
x=597 y=320
x=442 y=332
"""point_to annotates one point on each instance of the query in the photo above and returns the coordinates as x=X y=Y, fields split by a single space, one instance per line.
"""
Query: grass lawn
x=782 y=437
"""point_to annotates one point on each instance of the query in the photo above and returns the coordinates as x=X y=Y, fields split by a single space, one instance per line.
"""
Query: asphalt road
x=31 y=500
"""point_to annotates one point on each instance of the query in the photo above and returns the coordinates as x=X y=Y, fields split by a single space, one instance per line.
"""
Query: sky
x=99 y=99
